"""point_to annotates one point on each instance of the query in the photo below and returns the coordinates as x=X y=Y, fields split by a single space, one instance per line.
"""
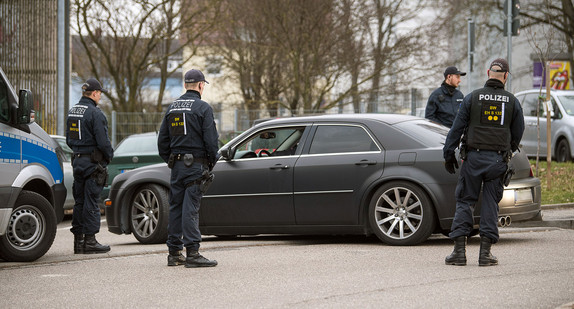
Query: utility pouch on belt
x=188 y=159
x=171 y=160
x=101 y=175
x=97 y=156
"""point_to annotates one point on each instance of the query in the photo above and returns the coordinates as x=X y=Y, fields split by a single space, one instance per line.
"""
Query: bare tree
x=295 y=53
x=125 y=41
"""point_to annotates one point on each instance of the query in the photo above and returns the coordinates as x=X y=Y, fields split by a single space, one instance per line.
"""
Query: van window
x=4 y=104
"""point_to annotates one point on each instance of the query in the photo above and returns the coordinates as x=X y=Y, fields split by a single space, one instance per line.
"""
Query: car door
x=337 y=164
x=255 y=188
x=531 y=108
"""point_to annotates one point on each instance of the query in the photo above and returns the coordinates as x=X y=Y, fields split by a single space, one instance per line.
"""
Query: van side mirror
x=25 y=114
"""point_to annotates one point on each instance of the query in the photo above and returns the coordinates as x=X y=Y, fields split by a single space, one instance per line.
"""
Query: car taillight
x=531 y=174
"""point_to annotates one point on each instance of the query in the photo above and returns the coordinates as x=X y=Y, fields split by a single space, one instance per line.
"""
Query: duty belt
x=479 y=150
x=179 y=157
x=78 y=154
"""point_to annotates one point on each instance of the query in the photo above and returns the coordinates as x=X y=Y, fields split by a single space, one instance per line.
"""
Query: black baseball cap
x=194 y=76
x=453 y=70
x=93 y=84
x=500 y=62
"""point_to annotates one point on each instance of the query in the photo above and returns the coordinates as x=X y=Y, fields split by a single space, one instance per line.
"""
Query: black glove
x=451 y=164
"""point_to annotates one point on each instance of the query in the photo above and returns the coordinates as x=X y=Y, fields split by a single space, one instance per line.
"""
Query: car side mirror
x=226 y=154
x=25 y=114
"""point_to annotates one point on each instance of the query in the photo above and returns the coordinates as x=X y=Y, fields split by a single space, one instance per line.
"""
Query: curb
x=556 y=206
x=560 y=223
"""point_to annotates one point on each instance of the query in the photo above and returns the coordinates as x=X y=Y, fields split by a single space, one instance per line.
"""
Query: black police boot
x=175 y=258
x=78 y=243
x=485 y=258
x=458 y=255
x=194 y=259
x=91 y=245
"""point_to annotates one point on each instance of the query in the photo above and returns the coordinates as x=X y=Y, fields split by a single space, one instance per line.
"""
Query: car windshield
x=426 y=132
x=568 y=103
x=137 y=145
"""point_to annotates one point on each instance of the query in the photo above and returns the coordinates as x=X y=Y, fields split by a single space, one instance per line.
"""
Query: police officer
x=187 y=141
x=87 y=135
x=492 y=121
x=444 y=102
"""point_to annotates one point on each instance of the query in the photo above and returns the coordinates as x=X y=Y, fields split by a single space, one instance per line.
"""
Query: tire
x=31 y=229
x=149 y=209
x=401 y=214
x=563 y=151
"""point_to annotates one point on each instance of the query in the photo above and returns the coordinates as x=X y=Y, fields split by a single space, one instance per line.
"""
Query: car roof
x=554 y=91
x=386 y=118
x=143 y=134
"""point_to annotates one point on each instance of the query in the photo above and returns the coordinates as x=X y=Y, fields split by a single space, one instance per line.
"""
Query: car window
x=270 y=142
x=341 y=139
x=137 y=145
x=426 y=132
x=568 y=103
x=530 y=104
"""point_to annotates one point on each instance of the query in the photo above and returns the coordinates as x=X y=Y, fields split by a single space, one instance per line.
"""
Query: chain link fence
x=231 y=122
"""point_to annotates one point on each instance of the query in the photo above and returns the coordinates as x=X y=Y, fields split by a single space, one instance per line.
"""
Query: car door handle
x=279 y=167
x=366 y=162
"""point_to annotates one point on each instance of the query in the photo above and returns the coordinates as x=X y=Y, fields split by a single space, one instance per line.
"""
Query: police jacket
x=442 y=106
x=492 y=119
x=188 y=127
x=87 y=129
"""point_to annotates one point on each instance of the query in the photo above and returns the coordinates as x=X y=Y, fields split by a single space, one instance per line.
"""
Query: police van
x=32 y=191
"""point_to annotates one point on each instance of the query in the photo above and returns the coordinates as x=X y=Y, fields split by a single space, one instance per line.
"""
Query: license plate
x=523 y=195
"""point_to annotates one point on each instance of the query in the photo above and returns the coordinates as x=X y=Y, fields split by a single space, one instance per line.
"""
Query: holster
x=463 y=152
x=171 y=160
x=101 y=175
x=508 y=175
x=204 y=181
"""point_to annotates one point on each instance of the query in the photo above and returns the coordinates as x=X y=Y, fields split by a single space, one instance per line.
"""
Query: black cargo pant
x=86 y=216
x=484 y=169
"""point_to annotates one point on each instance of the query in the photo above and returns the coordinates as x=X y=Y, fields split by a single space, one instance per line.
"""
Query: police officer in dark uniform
x=87 y=135
x=492 y=122
x=444 y=102
x=187 y=141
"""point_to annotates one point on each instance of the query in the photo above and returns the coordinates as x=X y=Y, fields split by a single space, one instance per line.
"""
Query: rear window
x=426 y=132
x=137 y=145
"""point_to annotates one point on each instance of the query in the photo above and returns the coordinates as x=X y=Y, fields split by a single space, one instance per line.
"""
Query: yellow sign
x=560 y=75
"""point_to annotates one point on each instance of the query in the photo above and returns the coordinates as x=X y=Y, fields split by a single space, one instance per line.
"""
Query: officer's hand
x=451 y=164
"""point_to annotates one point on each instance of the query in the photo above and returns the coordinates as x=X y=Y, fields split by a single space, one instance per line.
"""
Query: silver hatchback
x=562 y=123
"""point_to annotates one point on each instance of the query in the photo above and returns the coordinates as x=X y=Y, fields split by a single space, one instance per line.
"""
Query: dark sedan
x=334 y=174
